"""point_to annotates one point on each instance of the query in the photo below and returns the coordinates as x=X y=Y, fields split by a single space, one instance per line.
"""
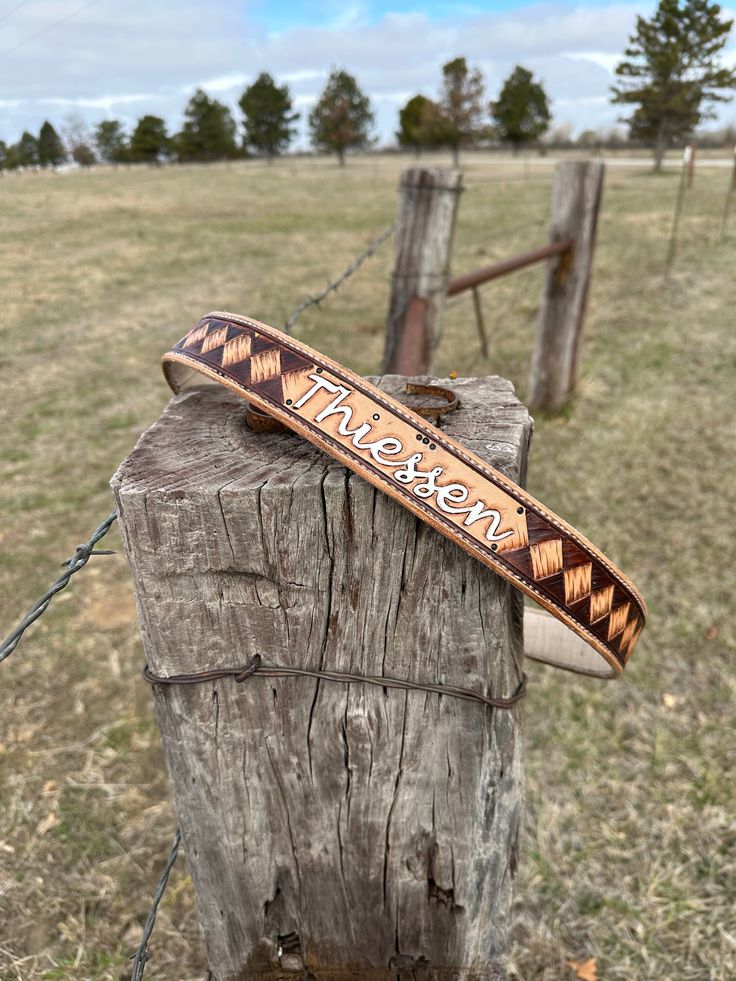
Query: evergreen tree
x=26 y=150
x=462 y=104
x=3 y=155
x=342 y=118
x=110 y=141
x=268 y=116
x=672 y=71
x=521 y=113
x=422 y=125
x=51 y=150
x=208 y=132
x=149 y=141
x=11 y=157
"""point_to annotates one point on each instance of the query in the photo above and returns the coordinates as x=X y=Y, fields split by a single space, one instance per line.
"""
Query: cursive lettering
x=449 y=498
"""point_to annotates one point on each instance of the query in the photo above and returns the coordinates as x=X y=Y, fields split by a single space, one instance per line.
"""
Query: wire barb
x=78 y=561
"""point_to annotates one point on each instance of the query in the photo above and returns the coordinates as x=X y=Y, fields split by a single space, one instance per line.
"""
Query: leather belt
x=433 y=476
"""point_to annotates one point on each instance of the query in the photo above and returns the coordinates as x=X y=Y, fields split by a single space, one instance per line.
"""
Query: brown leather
x=428 y=472
x=434 y=412
x=262 y=422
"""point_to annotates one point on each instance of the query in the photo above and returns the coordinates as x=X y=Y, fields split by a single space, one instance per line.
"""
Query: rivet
x=425 y=439
x=432 y=446
x=376 y=416
x=319 y=371
x=419 y=437
x=288 y=401
x=494 y=547
x=520 y=510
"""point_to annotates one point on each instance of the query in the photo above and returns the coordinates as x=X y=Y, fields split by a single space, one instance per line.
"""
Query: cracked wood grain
x=576 y=198
x=332 y=831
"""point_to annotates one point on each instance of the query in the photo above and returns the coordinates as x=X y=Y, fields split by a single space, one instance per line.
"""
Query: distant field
x=630 y=842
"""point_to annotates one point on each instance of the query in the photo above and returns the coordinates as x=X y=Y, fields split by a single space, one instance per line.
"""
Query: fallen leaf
x=585 y=970
x=50 y=821
x=132 y=936
x=22 y=733
x=711 y=633
x=50 y=787
x=671 y=701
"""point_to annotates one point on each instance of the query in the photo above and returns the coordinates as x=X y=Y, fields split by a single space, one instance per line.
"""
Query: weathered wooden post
x=692 y=153
x=730 y=193
x=576 y=197
x=332 y=830
x=425 y=222
x=677 y=215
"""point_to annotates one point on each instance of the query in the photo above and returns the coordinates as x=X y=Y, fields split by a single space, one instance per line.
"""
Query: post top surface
x=202 y=442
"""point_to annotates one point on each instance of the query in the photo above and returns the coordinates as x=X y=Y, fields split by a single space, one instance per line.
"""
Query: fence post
x=729 y=198
x=428 y=200
x=679 y=201
x=576 y=196
x=692 y=153
x=331 y=830
x=480 y=322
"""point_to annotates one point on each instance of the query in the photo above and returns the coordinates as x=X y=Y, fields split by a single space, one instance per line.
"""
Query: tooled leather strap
x=429 y=473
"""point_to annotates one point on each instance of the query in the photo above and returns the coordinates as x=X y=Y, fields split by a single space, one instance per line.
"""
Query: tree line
x=341 y=120
x=462 y=116
x=671 y=76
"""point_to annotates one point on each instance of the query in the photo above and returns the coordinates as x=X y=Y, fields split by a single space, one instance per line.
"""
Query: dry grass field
x=630 y=839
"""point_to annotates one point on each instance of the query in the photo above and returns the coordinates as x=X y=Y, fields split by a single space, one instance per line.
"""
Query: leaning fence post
x=576 y=196
x=425 y=222
x=331 y=830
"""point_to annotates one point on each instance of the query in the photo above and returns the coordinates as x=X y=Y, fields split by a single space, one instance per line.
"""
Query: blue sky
x=282 y=16
x=109 y=59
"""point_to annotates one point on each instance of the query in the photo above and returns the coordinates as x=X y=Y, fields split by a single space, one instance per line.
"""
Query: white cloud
x=161 y=52
x=588 y=100
x=303 y=76
x=107 y=102
x=605 y=59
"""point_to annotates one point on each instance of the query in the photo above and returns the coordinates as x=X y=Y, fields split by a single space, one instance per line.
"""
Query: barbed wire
x=332 y=287
x=531 y=178
x=78 y=561
x=142 y=955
